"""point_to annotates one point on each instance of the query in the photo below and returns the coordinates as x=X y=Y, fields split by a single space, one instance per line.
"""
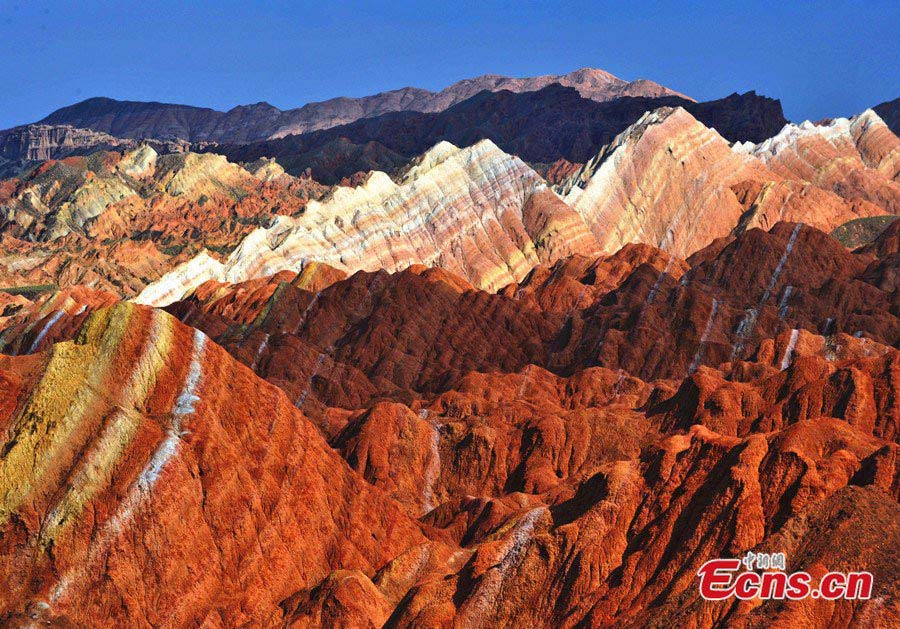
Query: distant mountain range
x=249 y=123
x=540 y=127
x=541 y=119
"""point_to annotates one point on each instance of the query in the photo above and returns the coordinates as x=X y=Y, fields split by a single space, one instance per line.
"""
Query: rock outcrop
x=23 y=147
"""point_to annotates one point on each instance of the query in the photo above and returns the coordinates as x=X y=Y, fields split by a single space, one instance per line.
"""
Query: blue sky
x=820 y=61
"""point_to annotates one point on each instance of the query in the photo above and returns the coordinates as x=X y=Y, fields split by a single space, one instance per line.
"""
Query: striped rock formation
x=673 y=183
x=640 y=312
x=476 y=212
x=857 y=159
x=97 y=194
x=147 y=478
x=667 y=181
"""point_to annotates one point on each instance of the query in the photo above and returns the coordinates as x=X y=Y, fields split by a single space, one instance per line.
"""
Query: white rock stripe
x=40 y=337
x=477 y=610
x=705 y=336
x=433 y=470
x=783 y=304
x=141 y=489
x=303 y=394
x=745 y=328
x=259 y=352
x=789 y=350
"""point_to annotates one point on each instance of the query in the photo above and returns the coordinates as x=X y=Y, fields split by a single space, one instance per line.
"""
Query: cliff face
x=43 y=142
x=23 y=147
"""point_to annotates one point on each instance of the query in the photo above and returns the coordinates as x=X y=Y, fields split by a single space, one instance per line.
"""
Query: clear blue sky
x=819 y=61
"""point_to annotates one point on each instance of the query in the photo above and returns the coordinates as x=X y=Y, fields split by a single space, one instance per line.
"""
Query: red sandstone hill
x=461 y=458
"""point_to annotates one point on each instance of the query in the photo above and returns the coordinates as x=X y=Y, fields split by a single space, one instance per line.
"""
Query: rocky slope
x=640 y=311
x=476 y=212
x=137 y=465
x=671 y=182
x=247 y=123
x=43 y=142
x=119 y=220
x=667 y=181
x=489 y=464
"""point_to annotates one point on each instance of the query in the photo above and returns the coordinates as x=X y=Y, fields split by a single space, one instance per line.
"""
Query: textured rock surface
x=476 y=212
x=43 y=142
x=671 y=182
x=146 y=460
x=667 y=181
x=23 y=147
x=857 y=159
x=119 y=220
x=464 y=485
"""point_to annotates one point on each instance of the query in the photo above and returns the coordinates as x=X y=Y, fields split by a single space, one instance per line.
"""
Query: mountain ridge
x=540 y=127
x=167 y=121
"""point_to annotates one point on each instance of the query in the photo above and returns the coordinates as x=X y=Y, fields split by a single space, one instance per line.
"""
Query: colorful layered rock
x=670 y=182
x=147 y=477
x=117 y=221
x=857 y=159
x=476 y=212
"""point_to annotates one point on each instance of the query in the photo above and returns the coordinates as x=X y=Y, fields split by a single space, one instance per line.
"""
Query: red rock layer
x=148 y=478
x=567 y=452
